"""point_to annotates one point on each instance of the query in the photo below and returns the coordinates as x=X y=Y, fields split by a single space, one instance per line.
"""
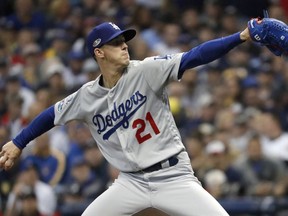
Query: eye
x=117 y=41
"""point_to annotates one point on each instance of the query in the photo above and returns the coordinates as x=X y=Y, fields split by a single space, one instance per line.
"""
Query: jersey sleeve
x=158 y=71
x=208 y=52
x=41 y=124
x=68 y=109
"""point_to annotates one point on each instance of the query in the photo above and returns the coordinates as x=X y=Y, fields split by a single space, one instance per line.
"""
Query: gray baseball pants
x=173 y=190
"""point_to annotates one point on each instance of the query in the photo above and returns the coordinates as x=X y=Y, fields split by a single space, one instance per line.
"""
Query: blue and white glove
x=271 y=33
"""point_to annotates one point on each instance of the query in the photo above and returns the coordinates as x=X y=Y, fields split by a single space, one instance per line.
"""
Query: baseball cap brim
x=128 y=35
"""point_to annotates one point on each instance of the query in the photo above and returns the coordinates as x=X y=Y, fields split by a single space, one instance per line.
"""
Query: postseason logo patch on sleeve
x=64 y=103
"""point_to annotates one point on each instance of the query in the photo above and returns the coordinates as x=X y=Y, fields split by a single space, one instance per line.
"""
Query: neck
x=110 y=77
x=110 y=81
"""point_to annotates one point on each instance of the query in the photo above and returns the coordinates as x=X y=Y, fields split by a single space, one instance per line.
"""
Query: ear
x=99 y=53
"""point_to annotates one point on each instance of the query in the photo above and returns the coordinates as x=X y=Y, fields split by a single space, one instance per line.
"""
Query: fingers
x=1 y=153
x=8 y=155
x=5 y=161
x=8 y=164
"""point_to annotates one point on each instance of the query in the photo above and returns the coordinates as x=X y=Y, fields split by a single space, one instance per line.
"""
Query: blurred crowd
x=232 y=113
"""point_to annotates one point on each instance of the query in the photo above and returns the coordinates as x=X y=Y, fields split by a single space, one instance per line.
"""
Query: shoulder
x=89 y=87
x=155 y=59
x=89 y=84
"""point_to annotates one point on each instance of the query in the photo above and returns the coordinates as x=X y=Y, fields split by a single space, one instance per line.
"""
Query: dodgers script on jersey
x=132 y=120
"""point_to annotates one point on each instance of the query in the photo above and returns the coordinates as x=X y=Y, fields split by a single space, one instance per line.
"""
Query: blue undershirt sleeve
x=41 y=124
x=208 y=52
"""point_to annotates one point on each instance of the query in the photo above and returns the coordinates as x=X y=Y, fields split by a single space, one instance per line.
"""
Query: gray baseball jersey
x=131 y=123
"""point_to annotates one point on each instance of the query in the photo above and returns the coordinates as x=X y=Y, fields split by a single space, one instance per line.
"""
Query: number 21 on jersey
x=140 y=125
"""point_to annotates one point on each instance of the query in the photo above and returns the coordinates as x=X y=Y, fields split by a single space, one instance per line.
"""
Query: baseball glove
x=271 y=33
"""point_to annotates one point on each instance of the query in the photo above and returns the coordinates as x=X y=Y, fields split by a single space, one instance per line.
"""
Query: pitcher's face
x=116 y=51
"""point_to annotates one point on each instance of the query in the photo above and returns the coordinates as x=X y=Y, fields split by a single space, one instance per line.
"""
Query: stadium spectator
x=13 y=117
x=222 y=178
x=274 y=140
x=169 y=40
x=7 y=178
x=75 y=63
x=28 y=203
x=57 y=79
x=26 y=16
x=50 y=162
x=80 y=137
x=81 y=189
x=97 y=163
x=262 y=176
x=91 y=69
x=32 y=59
x=196 y=151
x=46 y=197
x=14 y=87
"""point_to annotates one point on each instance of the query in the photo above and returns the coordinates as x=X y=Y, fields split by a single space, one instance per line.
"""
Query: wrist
x=244 y=35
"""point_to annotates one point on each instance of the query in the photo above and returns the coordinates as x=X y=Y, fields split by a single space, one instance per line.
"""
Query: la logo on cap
x=114 y=26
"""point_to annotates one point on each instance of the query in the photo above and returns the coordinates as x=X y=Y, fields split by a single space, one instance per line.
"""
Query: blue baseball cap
x=104 y=33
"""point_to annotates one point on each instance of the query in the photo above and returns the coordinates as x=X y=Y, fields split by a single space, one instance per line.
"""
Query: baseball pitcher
x=127 y=111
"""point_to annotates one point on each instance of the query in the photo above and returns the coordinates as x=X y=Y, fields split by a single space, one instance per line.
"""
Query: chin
x=127 y=62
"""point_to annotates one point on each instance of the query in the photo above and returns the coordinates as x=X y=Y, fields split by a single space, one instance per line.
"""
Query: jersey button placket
x=111 y=93
x=128 y=151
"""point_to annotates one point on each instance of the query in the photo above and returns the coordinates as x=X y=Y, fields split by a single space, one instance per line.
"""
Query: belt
x=172 y=161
